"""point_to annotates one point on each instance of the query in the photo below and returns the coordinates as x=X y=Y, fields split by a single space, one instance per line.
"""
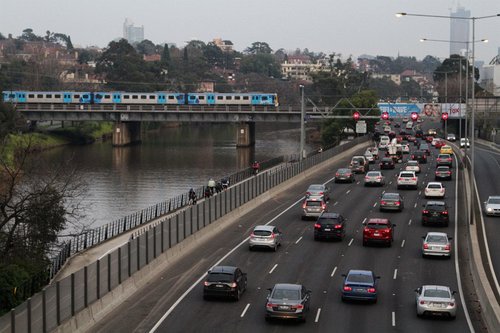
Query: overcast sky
x=349 y=27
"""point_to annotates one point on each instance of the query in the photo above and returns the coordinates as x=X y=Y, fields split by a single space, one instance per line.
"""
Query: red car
x=429 y=138
x=378 y=230
x=410 y=138
x=439 y=144
x=399 y=138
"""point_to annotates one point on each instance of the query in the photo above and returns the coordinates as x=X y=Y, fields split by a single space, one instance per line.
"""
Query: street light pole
x=302 y=125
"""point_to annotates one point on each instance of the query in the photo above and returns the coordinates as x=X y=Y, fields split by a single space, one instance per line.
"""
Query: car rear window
x=443 y=169
x=286 y=294
x=328 y=221
x=433 y=186
x=363 y=278
x=377 y=225
x=438 y=208
x=313 y=203
x=406 y=175
x=436 y=293
x=262 y=233
x=373 y=174
x=437 y=239
x=220 y=277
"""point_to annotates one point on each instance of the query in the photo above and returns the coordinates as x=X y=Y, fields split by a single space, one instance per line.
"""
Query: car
x=405 y=149
x=384 y=142
x=407 y=179
x=330 y=226
x=387 y=129
x=463 y=141
x=435 y=300
x=431 y=132
x=374 y=178
x=425 y=147
x=436 y=244
x=363 y=166
x=313 y=206
x=442 y=172
x=318 y=190
x=419 y=134
x=406 y=119
x=434 y=140
x=434 y=189
x=446 y=150
x=265 y=236
x=288 y=301
x=369 y=157
x=420 y=156
x=391 y=201
x=440 y=143
x=444 y=159
x=378 y=230
x=374 y=151
x=429 y=138
x=451 y=137
x=409 y=125
x=435 y=212
x=344 y=175
x=387 y=163
x=360 y=285
x=225 y=281
x=412 y=165
x=411 y=138
x=492 y=205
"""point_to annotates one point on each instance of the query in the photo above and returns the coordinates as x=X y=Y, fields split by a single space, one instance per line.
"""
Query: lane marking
x=393 y=318
x=317 y=315
x=348 y=192
x=409 y=222
x=403 y=243
x=333 y=272
x=298 y=240
x=395 y=274
x=419 y=192
x=336 y=202
x=352 y=240
x=375 y=204
x=272 y=269
x=415 y=205
x=245 y=310
x=364 y=221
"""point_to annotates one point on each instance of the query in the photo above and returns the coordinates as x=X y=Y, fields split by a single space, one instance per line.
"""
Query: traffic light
x=444 y=116
x=356 y=115
x=385 y=115
x=414 y=116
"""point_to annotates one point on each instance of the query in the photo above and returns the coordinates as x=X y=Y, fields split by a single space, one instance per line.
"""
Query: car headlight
x=489 y=209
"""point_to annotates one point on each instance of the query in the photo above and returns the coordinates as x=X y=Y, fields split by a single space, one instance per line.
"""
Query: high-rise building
x=459 y=30
x=132 y=33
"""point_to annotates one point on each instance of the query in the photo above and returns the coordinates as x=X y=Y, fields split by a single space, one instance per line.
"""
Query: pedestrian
x=208 y=192
x=211 y=185
x=255 y=167
x=225 y=183
x=192 y=197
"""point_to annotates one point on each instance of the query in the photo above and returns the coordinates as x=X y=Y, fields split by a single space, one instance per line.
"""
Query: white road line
x=403 y=243
x=272 y=269
x=390 y=182
x=336 y=202
x=395 y=274
x=409 y=222
x=197 y=282
x=363 y=221
x=333 y=272
x=317 y=315
x=352 y=240
x=357 y=183
x=245 y=310
x=348 y=191
x=415 y=205
x=375 y=204
x=298 y=240
x=419 y=192
x=393 y=318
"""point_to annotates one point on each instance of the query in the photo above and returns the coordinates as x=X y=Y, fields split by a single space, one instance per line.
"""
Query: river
x=169 y=161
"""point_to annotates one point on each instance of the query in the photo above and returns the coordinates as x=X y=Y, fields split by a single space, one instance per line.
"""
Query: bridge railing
x=65 y=298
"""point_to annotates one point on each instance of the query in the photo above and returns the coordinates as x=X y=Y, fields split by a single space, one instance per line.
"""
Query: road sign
x=361 y=127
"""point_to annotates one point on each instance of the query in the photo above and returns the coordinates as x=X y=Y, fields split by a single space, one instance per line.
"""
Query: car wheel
x=250 y=248
x=453 y=317
x=423 y=255
x=275 y=248
x=365 y=243
x=237 y=296
x=205 y=297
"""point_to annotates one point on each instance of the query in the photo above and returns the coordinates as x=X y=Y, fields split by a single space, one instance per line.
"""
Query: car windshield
x=220 y=277
x=286 y=294
x=377 y=225
x=494 y=201
x=262 y=232
x=363 y=278
x=437 y=239
x=437 y=293
x=443 y=169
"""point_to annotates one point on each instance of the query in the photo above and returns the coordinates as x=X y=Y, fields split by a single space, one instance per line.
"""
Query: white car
x=412 y=165
x=492 y=205
x=462 y=142
x=436 y=244
x=409 y=125
x=405 y=149
x=369 y=157
x=374 y=151
x=435 y=190
x=387 y=129
x=432 y=299
x=407 y=179
x=384 y=142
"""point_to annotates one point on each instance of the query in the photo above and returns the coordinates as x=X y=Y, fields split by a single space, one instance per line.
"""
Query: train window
x=264 y=98
x=152 y=97
x=135 y=97
x=228 y=98
x=171 y=97
x=76 y=96
x=245 y=98
x=39 y=96
x=48 y=96
x=202 y=98
x=107 y=96
x=31 y=96
x=57 y=96
x=144 y=96
x=98 y=96
x=220 y=98
x=126 y=97
x=237 y=98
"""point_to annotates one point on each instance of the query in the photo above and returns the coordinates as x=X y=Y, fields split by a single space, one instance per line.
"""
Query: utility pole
x=302 y=125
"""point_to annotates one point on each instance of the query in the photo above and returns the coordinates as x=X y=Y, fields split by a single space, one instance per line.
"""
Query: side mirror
x=394 y=225
x=453 y=292
x=450 y=238
x=423 y=237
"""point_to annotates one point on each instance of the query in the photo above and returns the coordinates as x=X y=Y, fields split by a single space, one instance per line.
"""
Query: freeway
x=174 y=303
x=487 y=168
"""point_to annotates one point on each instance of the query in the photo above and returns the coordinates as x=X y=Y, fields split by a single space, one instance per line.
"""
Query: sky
x=348 y=27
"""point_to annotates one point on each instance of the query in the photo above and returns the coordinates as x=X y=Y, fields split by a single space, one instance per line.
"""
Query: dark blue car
x=360 y=285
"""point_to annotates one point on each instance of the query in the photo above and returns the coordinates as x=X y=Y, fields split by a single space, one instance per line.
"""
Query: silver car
x=265 y=236
x=436 y=244
x=318 y=190
x=374 y=178
x=391 y=201
x=288 y=301
x=492 y=205
x=435 y=300
x=313 y=206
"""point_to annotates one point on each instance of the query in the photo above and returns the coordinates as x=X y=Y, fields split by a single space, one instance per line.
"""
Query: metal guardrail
x=61 y=300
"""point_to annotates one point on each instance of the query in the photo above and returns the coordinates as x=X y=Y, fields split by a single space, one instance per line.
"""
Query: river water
x=170 y=161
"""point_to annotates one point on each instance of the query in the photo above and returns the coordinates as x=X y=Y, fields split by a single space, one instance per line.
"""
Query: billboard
x=424 y=110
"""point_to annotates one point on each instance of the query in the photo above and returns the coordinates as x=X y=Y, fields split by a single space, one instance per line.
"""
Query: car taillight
x=442 y=190
x=252 y=235
x=447 y=247
x=299 y=306
x=337 y=174
x=206 y=283
x=366 y=178
x=273 y=235
x=321 y=193
x=308 y=193
x=437 y=172
x=448 y=172
x=426 y=246
x=414 y=178
x=323 y=206
x=422 y=302
x=451 y=304
x=371 y=290
x=445 y=212
x=425 y=211
x=347 y=288
x=304 y=206
x=382 y=202
x=317 y=226
x=270 y=305
x=233 y=285
x=397 y=203
x=348 y=174
x=379 y=177
x=337 y=226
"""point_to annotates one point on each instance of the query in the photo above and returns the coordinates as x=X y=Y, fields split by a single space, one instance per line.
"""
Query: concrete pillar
x=245 y=135
x=126 y=133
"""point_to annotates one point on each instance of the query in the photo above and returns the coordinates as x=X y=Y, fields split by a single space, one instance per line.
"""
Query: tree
x=146 y=47
x=259 y=47
x=29 y=36
x=2 y=37
x=447 y=76
x=165 y=56
x=261 y=63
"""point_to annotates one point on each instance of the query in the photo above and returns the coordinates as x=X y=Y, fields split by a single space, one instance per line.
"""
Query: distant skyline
x=345 y=27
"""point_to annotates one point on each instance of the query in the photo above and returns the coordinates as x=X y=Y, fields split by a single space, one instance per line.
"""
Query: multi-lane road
x=174 y=303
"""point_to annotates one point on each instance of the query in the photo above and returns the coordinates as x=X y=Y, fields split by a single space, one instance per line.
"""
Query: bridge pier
x=126 y=133
x=245 y=134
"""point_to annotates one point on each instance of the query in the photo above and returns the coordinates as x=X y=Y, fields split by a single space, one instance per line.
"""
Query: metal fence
x=63 y=299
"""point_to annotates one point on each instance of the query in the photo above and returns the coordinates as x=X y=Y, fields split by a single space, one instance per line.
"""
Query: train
x=157 y=97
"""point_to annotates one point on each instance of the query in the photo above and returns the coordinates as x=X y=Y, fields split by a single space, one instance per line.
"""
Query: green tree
x=258 y=48
x=2 y=37
x=261 y=63
x=29 y=36
x=165 y=56
x=146 y=47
